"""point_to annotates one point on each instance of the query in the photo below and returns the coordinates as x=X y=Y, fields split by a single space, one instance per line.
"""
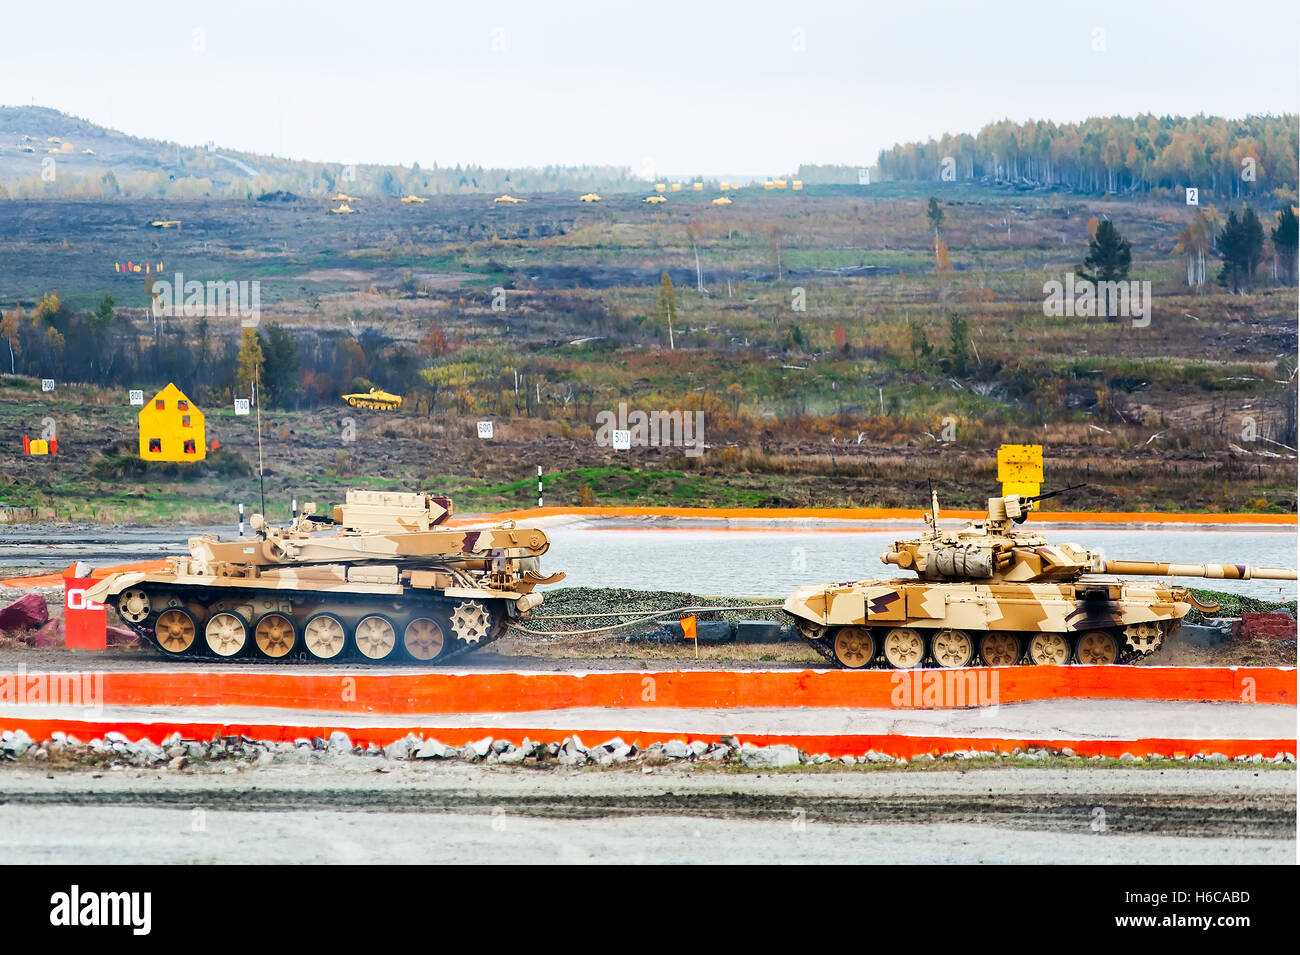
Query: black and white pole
x=241 y=520
x=539 y=485
x=295 y=510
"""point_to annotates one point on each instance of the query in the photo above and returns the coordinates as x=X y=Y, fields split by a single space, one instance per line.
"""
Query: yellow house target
x=171 y=428
x=1020 y=469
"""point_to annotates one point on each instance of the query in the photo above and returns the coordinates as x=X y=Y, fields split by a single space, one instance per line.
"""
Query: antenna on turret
x=934 y=507
x=257 y=400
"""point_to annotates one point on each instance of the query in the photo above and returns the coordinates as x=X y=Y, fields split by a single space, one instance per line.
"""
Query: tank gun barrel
x=1216 y=571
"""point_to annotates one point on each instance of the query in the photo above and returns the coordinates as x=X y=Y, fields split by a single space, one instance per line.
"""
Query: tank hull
x=1092 y=619
x=278 y=621
x=382 y=580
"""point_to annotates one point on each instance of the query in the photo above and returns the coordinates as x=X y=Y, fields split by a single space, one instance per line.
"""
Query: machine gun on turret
x=1024 y=505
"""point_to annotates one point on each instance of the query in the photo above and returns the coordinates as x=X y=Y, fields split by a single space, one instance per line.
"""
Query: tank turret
x=993 y=549
x=996 y=593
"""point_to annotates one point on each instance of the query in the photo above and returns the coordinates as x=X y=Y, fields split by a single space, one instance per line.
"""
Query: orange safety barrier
x=497 y=692
x=889 y=513
x=832 y=744
x=56 y=579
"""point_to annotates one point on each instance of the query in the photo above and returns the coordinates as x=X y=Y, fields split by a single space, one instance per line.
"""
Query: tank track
x=815 y=636
x=349 y=656
x=300 y=656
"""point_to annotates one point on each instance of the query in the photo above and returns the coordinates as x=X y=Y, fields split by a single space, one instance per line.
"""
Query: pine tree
x=280 y=365
x=958 y=342
x=1286 y=242
x=1109 y=258
x=1241 y=243
x=102 y=317
x=935 y=215
x=919 y=343
x=1109 y=255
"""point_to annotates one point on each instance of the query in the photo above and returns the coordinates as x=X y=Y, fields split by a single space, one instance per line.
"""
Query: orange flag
x=688 y=627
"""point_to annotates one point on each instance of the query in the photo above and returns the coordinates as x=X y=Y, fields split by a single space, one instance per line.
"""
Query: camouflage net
x=1232 y=605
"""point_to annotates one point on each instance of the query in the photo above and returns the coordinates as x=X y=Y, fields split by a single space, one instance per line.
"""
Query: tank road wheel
x=1049 y=649
x=855 y=647
x=469 y=621
x=226 y=634
x=904 y=648
x=324 y=636
x=133 y=605
x=175 y=630
x=424 y=638
x=274 y=635
x=952 y=648
x=1000 y=649
x=375 y=637
x=1097 y=647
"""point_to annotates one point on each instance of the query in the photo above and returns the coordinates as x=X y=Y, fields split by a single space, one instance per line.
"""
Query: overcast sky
x=710 y=88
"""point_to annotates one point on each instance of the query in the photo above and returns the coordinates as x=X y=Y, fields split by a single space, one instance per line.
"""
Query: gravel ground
x=346 y=811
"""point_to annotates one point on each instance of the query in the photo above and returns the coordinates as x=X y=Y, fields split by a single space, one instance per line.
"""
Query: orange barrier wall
x=487 y=692
x=888 y=513
x=833 y=745
x=56 y=579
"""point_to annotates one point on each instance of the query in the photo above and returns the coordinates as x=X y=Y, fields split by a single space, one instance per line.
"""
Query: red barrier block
x=1267 y=626
x=85 y=620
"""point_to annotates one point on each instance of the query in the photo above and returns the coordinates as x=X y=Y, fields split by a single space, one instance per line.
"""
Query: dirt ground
x=352 y=810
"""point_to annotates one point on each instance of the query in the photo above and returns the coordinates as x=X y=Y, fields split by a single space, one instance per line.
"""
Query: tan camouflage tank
x=995 y=595
x=377 y=582
x=374 y=399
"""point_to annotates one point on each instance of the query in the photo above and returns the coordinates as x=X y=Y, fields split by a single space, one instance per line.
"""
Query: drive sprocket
x=471 y=622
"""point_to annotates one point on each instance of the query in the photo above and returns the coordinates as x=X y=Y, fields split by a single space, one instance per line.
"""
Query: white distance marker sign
x=137 y=396
x=47 y=384
x=241 y=406
x=485 y=429
x=622 y=440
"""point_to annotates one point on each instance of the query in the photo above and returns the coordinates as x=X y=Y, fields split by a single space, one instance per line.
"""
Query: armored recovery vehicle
x=378 y=581
x=993 y=594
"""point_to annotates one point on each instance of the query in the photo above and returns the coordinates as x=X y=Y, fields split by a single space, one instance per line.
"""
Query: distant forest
x=1227 y=158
